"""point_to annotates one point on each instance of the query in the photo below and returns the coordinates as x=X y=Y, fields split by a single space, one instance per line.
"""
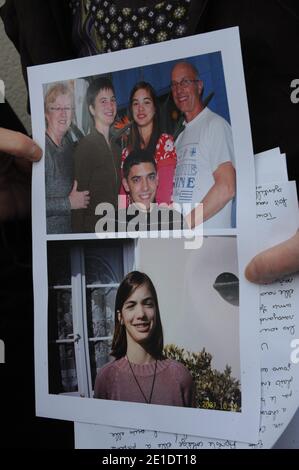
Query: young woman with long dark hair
x=146 y=134
x=140 y=373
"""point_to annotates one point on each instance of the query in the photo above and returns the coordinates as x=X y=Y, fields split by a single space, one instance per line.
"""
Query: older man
x=204 y=172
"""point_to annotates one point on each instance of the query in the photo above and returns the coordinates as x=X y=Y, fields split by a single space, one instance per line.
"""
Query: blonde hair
x=56 y=90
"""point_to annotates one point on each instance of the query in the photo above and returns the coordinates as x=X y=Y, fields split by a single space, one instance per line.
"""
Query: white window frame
x=80 y=337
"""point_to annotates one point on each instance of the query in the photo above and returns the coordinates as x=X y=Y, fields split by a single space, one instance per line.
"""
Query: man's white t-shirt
x=205 y=143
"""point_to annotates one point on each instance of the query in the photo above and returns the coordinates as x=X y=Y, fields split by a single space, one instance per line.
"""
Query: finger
x=276 y=262
x=19 y=145
x=75 y=185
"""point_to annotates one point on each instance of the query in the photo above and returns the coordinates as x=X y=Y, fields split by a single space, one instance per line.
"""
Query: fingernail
x=253 y=275
x=35 y=153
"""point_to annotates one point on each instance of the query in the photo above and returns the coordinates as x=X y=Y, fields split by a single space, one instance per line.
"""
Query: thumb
x=276 y=262
x=75 y=185
x=19 y=145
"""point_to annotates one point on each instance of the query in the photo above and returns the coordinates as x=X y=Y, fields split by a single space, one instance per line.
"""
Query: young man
x=204 y=171
x=140 y=180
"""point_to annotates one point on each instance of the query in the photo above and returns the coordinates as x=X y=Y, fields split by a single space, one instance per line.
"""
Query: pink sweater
x=173 y=384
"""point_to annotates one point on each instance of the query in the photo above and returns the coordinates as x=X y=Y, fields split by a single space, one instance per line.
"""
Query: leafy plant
x=213 y=389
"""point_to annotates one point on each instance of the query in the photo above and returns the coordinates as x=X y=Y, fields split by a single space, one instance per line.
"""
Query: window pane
x=69 y=381
x=103 y=265
x=59 y=264
x=100 y=311
x=99 y=356
x=104 y=262
x=62 y=364
x=64 y=313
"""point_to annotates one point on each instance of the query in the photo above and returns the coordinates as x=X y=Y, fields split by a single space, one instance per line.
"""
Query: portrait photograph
x=184 y=315
x=143 y=333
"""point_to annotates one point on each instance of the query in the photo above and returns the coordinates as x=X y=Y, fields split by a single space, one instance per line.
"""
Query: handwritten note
x=277 y=219
x=279 y=325
x=277 y=212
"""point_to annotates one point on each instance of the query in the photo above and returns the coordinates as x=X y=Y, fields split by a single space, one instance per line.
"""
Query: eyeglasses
x=184 y=83
x=58 y=109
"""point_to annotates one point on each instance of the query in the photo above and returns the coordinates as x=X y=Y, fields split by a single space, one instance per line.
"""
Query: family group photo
x=140 y=145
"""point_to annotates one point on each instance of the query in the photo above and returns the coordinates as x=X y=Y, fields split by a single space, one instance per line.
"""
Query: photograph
x=140 y=344
x=147 y=141
x=145 y=138
x=125 y=332
x=149 y=238
x=141 y=149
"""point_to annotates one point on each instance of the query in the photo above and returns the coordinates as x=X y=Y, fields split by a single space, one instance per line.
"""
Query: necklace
x=152 y=389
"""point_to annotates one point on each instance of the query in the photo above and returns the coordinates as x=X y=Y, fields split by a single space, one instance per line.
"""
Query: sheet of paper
x=279 y=346
x=76 y=275
x=277 y=171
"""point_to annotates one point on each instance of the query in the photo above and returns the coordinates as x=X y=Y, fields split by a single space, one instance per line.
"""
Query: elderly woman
x=61 y=189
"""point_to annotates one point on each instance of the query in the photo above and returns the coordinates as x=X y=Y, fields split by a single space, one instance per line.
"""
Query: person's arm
x=222 y=191
x=276 y=262
x=17 y=152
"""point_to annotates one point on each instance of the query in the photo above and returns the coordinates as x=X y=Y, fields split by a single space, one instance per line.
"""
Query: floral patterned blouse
x=106 y=26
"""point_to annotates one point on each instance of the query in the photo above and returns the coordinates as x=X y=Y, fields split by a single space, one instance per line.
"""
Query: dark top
x=97 y=170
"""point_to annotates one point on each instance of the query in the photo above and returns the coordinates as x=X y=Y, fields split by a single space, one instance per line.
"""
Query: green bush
x=213 y=389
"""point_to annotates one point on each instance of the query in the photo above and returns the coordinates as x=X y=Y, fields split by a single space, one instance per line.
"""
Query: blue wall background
x=210 y=69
